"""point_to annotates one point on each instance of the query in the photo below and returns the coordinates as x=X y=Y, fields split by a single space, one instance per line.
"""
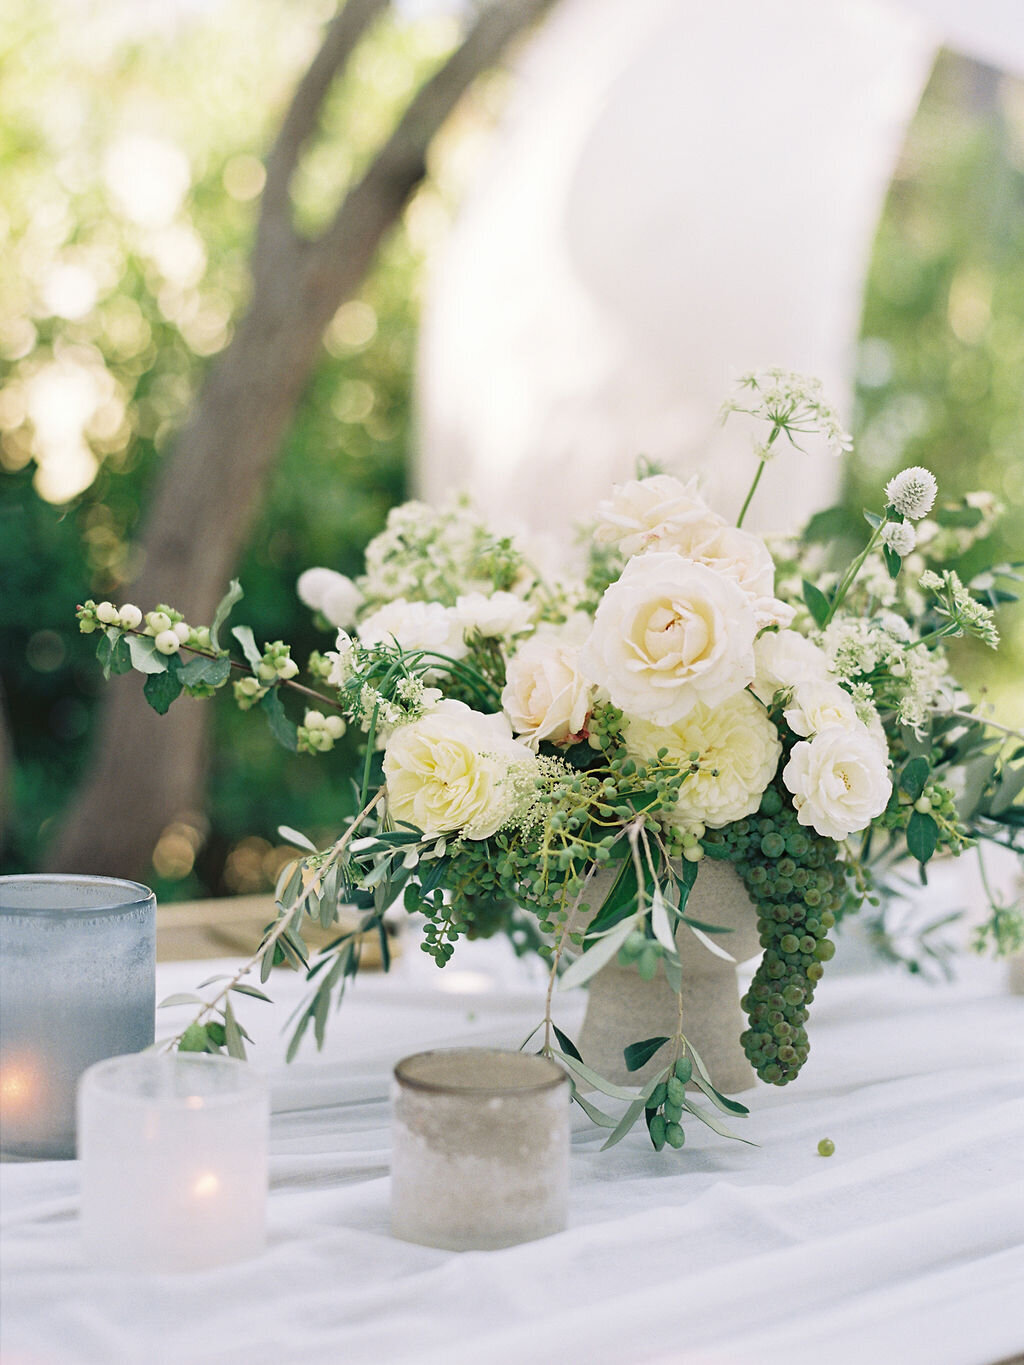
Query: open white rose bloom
x=681 y=691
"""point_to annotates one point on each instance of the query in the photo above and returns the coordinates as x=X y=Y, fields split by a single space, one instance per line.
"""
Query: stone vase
x=623 y=1008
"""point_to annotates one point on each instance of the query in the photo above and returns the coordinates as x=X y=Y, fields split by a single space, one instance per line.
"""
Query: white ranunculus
x=739 y=752
x=334 y=594
x=817 y=705
x=456 y=769
x=545 y=695
x=839 y=780
x=499 y=615
x=415 y=625
x=650 y=514
x=669 y=634
x=784 y=658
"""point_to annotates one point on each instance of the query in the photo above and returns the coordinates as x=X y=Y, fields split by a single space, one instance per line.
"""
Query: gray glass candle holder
x=480 y=1148
x=77 y=985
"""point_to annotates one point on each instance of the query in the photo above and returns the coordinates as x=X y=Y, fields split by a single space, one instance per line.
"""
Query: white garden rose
x=784 y=658
x=839 y=780
x=498 y=615
x=456 y=769
x=415 y=625
x=739 y=752
x=650 y=514
x=331 y=593
x=817 y=705
x=545 y=695
x=741 y=556
x=669 y=634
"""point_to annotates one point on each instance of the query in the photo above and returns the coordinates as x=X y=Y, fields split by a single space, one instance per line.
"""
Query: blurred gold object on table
x=233 y=926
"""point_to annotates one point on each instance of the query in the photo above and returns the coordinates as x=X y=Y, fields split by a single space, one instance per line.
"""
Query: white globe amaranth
x=912 y=492
x=784 y=658
x=900 y=537
x=651 y=514
x=669 y=634
x=839 y=780
x=414 y=625
x=739 y=752
x=456 y=769
x=545 y=695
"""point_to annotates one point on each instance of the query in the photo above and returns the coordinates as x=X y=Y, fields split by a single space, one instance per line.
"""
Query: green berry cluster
x=797 y=884
x=665 y=1107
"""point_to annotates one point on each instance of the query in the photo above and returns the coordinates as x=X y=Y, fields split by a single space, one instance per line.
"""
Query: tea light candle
x=77 y=984
x=174 y=1161
x=480 y=1148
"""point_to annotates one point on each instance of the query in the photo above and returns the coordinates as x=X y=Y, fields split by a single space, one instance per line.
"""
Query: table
x=906 y=1246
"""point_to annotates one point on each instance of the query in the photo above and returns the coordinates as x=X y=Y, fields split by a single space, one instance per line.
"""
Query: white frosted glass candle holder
x=77 y=984
x=174 y=1161
x=480 y=1148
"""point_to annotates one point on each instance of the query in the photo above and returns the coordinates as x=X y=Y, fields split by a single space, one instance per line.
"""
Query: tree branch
x=377 y=199
x=343 y=34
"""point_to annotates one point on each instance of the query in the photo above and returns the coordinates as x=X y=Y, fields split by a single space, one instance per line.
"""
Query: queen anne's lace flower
x=912 y=492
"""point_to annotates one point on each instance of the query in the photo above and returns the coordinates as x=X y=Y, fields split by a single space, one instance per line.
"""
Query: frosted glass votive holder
x=174 y=1161
x=77 y=984
x=480 y=1148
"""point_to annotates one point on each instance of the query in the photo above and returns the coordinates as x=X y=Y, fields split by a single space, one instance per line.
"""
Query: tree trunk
x=148 y=769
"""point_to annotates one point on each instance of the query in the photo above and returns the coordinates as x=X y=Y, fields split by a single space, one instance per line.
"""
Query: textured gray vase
x=623 y=1008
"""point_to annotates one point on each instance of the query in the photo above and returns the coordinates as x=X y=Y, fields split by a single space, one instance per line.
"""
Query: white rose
x=819 y=704
x=415 y=625
x=651 y=514
x=784 y=658
x=739 y=752
x=839 y=780
x=667 y=635
x=333 y=594
x=497 y=616
x=545 y=695
x=457 y=769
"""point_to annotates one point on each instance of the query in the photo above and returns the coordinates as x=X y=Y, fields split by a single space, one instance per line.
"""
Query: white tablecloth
x=903 y=1247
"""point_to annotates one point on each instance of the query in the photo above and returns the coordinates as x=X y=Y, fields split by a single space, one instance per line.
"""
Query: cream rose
x=457 y=769
x=499 y=615
x=839 y=780
x=545 y=695
x=651 y=514
x=739 y=752
x=333 y=594
x=784 y=658
x=669 y=634
x=819 y=704
x=415 y=625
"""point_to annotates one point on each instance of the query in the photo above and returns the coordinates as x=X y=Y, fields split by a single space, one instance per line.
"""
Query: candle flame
x=206 y=1186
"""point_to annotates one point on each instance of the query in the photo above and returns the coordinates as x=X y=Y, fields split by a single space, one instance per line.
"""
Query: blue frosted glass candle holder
x=77 y=985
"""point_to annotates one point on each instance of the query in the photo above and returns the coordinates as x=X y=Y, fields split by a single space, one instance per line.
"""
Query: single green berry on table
x=826 y=1147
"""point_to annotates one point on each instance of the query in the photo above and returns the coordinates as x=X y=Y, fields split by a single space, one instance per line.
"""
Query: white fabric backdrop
x=678 y=192
x=905 y=1246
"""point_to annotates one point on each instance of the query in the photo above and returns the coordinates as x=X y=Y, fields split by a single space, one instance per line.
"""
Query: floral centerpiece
x=558 y=754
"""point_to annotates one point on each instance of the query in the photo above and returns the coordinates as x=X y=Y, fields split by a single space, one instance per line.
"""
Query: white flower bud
x=335 y=726
x=266 y=673
x=157 y=621
x=900 y=537
x=107 y=613
x=248 y=687
x=167 y=642
x=182 y=630
x=131 y=617
x=287 y=668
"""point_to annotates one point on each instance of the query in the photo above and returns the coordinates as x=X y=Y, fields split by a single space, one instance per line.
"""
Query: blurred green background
x=129 y=171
